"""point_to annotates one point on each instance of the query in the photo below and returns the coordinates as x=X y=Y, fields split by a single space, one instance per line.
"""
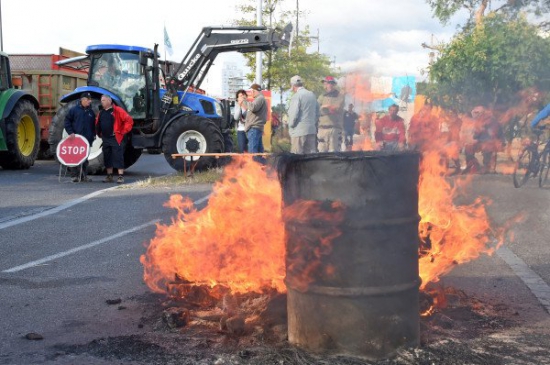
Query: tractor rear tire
x=192 y=134
x=22 y=137
x=95 y=161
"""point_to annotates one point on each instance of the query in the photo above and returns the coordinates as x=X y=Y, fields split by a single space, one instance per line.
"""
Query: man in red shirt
x=390 y=131
x=112 y=125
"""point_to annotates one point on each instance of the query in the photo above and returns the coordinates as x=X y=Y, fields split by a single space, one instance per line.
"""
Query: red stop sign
x=73 y=151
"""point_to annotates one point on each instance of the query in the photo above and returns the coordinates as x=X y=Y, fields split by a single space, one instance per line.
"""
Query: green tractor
x=19 y=127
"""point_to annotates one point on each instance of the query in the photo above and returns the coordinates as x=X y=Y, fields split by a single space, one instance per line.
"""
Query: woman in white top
x=239 y=114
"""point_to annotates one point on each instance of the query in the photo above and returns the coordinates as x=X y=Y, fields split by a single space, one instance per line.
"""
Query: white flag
x=167 y=43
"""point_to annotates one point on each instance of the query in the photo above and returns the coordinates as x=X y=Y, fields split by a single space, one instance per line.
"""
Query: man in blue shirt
x=81 y=120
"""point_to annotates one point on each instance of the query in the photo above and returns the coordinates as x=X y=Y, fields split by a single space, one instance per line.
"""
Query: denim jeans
x=242 y=141
x=255 y=143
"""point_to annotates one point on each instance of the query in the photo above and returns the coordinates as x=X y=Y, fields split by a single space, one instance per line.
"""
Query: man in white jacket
x=303 y=117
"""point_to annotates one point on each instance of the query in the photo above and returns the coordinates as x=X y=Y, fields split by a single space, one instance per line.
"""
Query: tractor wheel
x=192 y=134
x=22 y=137
x=95 y=160
x=44 y=151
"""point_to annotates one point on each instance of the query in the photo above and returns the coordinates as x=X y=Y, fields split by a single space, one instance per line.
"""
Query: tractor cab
x=118 y=69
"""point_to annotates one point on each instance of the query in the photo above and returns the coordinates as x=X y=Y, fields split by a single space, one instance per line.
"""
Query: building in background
x=232 y=79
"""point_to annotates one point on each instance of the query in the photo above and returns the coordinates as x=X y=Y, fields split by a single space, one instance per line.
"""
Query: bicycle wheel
x=522 y=168
x=544 y=167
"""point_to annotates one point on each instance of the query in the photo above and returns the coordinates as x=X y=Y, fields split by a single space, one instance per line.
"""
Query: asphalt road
x=27 y=192
x=57 y=270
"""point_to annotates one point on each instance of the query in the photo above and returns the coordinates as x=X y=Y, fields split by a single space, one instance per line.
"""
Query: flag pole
x=165 y=63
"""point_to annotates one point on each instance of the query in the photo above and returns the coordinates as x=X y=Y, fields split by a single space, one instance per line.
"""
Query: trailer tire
x=22 y=137
x=95 y=161
x=192 y=134
x=44 y=152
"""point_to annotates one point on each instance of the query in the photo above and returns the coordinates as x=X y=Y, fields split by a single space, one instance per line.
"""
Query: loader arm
x=215 y=40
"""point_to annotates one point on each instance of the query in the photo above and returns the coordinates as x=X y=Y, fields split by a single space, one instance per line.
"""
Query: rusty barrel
x=361 y=299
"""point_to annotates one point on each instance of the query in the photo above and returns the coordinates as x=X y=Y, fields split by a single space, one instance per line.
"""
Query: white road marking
x=57 y=209
x=534 y=282
x=79 y=248
x=89 y=245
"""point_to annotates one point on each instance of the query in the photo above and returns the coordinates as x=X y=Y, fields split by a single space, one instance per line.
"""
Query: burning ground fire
x=237 y=240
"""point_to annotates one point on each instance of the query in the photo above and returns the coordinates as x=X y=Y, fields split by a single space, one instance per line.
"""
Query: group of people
x=319 y=124
x=322 y=125
x=251 y=118
x=112 y=123
x=314 y=124
x=479 y=132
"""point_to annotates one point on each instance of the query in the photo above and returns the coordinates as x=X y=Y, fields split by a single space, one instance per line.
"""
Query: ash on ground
x=213 y=327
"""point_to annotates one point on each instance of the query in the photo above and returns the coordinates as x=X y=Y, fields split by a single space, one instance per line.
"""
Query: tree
x=478 y=9
x=489 y=64
x=279 y=66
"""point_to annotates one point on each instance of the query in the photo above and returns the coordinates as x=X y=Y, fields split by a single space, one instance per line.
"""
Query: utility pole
x=435 y=48
x=259 y=54
x=1 y=35
x=317 y=39
x=270 y=9
x=297 y=21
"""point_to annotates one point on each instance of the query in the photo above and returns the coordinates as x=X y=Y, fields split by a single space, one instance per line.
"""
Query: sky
x=379 y=37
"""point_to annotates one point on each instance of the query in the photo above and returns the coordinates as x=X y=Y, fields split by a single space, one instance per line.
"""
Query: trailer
x=40 y=76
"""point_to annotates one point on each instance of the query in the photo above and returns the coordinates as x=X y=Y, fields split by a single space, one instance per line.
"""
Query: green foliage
x=445 y=9
x=489 y=64
x=510 y=9
x=281 y=65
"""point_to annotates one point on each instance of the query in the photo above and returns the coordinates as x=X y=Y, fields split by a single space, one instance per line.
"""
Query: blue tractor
x=168 y=115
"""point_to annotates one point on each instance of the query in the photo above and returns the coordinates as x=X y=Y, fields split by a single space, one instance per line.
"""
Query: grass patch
x=203 y=177
x=280 y=141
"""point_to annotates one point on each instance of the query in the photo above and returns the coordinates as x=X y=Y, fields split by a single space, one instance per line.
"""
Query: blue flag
x=167 y=43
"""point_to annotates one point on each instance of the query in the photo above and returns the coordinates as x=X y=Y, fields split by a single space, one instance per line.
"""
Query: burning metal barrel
x=357 y=294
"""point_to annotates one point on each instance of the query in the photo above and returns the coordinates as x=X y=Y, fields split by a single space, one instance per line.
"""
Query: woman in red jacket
x=112 y=125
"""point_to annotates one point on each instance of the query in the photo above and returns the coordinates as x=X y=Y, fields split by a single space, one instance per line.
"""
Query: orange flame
x=358 y=86
x=237 y=240
x=454 y=234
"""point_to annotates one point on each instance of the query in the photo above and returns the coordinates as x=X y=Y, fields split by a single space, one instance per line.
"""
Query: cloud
x=385 y=38
x=391 y=64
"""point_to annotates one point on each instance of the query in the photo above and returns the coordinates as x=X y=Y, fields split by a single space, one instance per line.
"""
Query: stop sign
x=73 y=151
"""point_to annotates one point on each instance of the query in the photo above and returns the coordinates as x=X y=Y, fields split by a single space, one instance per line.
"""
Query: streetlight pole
x=259 y=54
x=1 y=35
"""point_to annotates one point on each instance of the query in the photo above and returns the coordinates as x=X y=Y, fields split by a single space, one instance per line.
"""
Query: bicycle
x=532 y=163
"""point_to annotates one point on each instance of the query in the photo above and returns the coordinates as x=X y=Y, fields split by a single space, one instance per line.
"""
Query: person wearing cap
x=331 y=120
x=303 y=115
x=81 y=120
x=113 y=124
x=256 y=117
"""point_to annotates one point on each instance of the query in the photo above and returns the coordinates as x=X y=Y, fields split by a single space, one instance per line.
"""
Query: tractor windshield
x=121 y=74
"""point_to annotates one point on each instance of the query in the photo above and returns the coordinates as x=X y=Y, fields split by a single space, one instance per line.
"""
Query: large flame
x=451 y=234
x=238 y=239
